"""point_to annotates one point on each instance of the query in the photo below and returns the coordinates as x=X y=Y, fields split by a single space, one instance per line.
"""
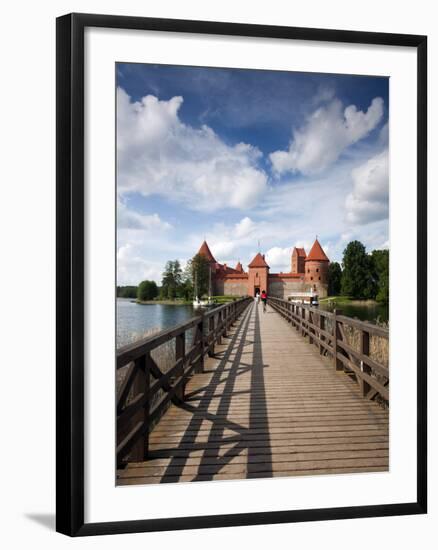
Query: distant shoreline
x=350 y=301
x=162 y=302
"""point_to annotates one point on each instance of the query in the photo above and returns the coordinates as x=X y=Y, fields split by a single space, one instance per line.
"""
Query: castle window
x=317 y=269
x=319 y=278
x=308 y=271
x=311 y=278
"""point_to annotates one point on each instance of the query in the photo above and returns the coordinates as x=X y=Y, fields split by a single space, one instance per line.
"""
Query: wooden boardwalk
x=267 y=404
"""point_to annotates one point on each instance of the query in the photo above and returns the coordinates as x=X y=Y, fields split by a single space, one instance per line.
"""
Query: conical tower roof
x=317 y=253
x=239 y=267
x=206 y=252
x=258 y=261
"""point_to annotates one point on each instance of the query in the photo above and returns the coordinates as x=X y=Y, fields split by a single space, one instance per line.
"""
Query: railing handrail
x=333 y=341
x=132 y=351
x=357 y=323
x=140 y=403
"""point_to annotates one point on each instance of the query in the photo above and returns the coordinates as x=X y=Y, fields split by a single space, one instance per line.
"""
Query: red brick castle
x=308 y=272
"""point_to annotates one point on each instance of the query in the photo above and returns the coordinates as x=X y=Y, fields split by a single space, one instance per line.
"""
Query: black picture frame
x=70 y=273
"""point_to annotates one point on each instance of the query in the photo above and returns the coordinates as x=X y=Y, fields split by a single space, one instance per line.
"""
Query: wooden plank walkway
x=268 y=404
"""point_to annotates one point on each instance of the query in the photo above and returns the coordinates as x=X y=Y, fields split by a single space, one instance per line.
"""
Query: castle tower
x=298 y=260
x=239 y=267
x=206 y=252
x=316 y=265
x=258 y=272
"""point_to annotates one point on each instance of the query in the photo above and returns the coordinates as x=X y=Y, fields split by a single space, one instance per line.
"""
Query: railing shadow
x=213 y=458
x=176 y=466
x=258 y=412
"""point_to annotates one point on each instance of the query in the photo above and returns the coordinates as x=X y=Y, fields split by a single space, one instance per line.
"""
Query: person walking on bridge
x=264 y=298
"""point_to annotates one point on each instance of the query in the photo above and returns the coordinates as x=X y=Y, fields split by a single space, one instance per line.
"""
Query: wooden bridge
x=247 y=395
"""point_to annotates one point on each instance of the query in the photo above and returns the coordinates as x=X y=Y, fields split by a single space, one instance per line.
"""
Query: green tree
x=334 y=279
x=126 y=291
x=147 y=290
x=381 y=267
x=172 y=279
x=198 y=273
x=359 y=279
x=185 y=290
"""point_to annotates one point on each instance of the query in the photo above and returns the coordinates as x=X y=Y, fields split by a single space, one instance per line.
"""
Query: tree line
x=176 y=283
x=361 y=275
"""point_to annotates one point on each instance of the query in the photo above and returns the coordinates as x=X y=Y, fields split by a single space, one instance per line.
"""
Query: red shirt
x=264 y=295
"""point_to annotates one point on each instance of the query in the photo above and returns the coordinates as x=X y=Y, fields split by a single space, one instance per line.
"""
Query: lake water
x=371 y=312
x=136 y=321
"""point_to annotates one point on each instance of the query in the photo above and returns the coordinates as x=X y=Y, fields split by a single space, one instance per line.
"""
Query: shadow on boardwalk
x=266 y=405
x=231 y=365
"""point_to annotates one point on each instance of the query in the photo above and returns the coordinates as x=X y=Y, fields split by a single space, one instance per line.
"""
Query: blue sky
x=240 y=156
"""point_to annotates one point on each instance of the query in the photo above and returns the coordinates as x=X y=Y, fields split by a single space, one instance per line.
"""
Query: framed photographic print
x=241 y=272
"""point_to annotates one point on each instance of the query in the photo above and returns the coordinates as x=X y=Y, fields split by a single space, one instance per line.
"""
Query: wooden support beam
x=364 y=350
x=180 y=353
x=139 y=449
x=321 y=336
x=336 y=336
x=211 y=336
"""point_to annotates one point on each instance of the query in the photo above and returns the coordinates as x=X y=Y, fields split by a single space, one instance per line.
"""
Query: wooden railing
x=329 y=332
x=141 y=401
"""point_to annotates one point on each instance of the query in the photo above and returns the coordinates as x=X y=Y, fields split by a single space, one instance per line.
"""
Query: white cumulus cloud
x=132 y=268
x=130 y=219
x=325 y=135
x=279 y=259
x=158 y=154
x=370 y=196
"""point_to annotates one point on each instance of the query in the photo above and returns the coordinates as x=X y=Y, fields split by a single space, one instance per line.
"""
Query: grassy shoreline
x=163 y=302
x=350 y=301
x=219 y=300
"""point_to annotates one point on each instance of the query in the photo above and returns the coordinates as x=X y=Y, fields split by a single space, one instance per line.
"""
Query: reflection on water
x=135 y=321
x=370 y=312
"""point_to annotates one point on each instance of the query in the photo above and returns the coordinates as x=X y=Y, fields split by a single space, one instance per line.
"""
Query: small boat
x=203 y=303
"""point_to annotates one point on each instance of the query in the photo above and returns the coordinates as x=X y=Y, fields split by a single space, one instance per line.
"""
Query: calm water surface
x=135 y=321
x=372 y=312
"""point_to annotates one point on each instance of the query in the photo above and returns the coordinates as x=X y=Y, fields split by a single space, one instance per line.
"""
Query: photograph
x=252 y=274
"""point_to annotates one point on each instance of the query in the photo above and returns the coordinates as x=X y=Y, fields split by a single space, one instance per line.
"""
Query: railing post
x=211 y=336
x=303 y=318
x=336 y=336
x=310 y=319
x=321 y=337
x=223 y=320
x=219 y=327
x=180 y=353
x=364 y=350
x=200 y=340
x=140 y=449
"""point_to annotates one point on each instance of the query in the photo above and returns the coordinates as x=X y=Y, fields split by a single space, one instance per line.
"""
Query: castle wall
x=282 y=288
x=233 y=287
